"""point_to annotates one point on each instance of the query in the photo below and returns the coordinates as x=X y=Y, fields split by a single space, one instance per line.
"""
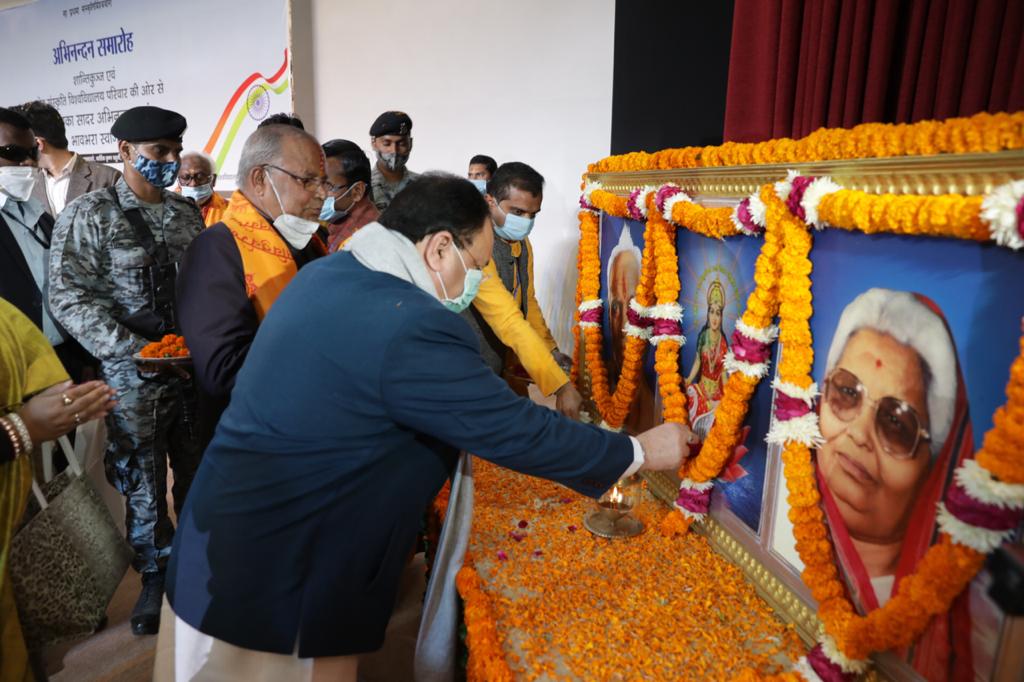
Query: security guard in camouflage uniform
x=113 y=262
x=391 y=139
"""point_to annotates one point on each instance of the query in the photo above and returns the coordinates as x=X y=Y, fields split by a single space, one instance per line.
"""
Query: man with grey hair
x=196 y=179
x=234 y=271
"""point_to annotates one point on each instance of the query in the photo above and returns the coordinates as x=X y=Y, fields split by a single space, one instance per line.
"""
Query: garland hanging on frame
x=987 y=501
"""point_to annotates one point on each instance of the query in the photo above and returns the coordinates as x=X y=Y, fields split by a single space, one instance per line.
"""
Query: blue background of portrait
x=978 y=288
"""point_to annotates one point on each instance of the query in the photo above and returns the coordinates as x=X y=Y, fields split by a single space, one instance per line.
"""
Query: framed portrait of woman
x=913 y=339
x=622 y=246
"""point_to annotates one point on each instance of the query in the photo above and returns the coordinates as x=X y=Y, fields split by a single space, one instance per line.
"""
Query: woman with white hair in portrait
x=895 y=424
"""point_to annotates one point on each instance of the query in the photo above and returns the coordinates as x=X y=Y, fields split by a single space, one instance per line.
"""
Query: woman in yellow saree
x=37 y=404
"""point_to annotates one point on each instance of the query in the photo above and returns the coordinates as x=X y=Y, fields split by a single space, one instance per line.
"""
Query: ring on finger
x=78 y=419
x=67 y=401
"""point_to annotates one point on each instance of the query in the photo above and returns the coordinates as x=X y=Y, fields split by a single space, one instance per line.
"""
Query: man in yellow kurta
x=196 y=179
x=505 y=312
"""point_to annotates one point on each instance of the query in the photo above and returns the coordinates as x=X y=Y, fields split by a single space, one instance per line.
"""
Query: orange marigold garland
x=614 y=408
x=574 y=373
x=982 y=132
x=710 y=222
x=949 y=215
x=486 y=658
x=667 y=314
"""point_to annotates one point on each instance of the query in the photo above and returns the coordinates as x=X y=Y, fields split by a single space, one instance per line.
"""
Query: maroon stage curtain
x=798 y=65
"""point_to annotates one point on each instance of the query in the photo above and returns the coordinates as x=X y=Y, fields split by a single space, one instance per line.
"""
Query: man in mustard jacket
x=505 y=312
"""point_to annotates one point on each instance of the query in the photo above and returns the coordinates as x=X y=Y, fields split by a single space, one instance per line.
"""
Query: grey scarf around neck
x=384 y=250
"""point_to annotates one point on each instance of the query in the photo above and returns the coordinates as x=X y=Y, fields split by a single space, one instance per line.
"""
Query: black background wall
x=670 y=73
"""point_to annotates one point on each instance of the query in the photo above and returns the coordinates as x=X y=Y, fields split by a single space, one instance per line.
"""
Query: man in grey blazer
x=65 y=174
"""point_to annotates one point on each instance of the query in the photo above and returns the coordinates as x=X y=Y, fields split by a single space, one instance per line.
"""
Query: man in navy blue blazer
x=359 y=391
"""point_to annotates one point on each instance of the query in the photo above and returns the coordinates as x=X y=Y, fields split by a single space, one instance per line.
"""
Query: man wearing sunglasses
x=64 y=175
x=235 y=270
x=25 y=233
x=112 y=266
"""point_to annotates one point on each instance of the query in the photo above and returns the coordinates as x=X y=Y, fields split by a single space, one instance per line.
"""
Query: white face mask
x=197 y=194
x=296 y=231
x=17 y=182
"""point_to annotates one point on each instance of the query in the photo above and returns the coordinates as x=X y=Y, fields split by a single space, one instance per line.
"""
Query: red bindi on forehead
x=878 y=364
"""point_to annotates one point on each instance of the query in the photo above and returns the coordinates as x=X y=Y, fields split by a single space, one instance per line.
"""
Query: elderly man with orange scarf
x=196 y=179
x=234 y=271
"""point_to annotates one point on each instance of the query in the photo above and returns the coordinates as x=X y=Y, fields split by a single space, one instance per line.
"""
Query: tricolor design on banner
x=253 y=98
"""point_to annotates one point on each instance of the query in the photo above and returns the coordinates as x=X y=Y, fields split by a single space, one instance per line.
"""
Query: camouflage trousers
x=147 y=429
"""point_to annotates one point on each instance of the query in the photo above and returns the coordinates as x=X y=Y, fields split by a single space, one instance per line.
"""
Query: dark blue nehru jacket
x=344 y=422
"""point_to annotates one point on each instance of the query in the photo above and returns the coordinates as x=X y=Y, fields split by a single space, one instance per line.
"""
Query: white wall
x=527 y=81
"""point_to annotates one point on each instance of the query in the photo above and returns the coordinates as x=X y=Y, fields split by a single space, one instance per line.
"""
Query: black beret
x=141 y=124
x=392 y=123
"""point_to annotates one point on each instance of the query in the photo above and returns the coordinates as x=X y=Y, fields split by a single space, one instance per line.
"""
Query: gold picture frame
x=777 y=583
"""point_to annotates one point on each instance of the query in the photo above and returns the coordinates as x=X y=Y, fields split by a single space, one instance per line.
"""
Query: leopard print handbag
x=66 y=560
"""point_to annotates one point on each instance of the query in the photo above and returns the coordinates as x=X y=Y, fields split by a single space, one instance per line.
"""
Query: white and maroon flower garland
x=585 y=202
x=636 y=204
x=803 y=193
x=667 y=196
x=820 y=664
x=590 y=313
x=1003 y=210
x=666 y=323
x=795 y=418
x=749 y=215
x=979 y=511
x=750 y=352
x=638 y=321
x=694 y=499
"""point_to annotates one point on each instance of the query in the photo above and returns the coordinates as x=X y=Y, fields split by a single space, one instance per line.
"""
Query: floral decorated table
x=547 y=600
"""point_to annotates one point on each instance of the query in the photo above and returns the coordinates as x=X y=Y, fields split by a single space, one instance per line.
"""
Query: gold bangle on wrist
x=12 y=433
x=19 y=425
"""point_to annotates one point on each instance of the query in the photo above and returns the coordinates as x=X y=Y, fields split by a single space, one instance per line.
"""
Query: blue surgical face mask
x=197 y=194
x=516 y=227
x=157 y=173
x=327 y=210
x=331 y=215
x=469 y=288
x=480 y=184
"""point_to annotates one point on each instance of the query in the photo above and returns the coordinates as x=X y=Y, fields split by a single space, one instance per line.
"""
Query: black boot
x=146 y=614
